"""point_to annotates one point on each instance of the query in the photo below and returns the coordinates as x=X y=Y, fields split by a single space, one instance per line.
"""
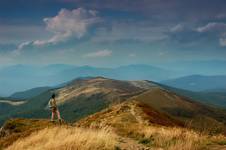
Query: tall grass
x=67 y=138
x=173 y=138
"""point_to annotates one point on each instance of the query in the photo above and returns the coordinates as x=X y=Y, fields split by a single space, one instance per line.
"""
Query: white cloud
x=23 y=44
x=177 y=28
x=20 y=47
x=213 y=26
x=67 y=24
x=219 y=28
x=100 y=53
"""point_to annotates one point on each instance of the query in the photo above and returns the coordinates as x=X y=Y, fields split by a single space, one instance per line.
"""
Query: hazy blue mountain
x=23 y=77
x=143 y=72
x=213 y=67
x=217 y=90
x=198 y=82
x=29 y=93
x=130 y=72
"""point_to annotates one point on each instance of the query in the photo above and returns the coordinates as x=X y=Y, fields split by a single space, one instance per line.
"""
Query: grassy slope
x=150 y=128
x=217 y=99
x=81 y=103
x=143 y=119
x=130 y=125
x=74 y=138
x=19 y=128
x=76 y=99
x=192 y=113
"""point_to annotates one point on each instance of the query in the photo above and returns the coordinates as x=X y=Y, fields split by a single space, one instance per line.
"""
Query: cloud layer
x=100 y=53
x=212 y=26
x=68 y=31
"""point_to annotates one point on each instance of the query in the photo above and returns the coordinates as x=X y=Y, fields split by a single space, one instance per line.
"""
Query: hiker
x=53 y=107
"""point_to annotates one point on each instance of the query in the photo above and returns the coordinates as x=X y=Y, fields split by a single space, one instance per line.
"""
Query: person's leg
x=58 y=114
x=53 y=115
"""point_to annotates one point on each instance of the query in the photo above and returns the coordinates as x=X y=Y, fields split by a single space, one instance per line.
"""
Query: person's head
x=53 y=95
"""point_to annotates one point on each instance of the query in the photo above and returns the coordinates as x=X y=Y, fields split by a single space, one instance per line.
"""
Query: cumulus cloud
x=100 y=53
x=66 y=24
x=213 y=26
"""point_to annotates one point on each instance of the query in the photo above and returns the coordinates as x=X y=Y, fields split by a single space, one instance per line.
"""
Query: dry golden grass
x=128 y=120
x=173 y=138
x=67 y=138
x=15 y=129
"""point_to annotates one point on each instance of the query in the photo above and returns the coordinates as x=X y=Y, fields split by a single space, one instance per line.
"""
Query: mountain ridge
x=137 y=114
x=197 y=83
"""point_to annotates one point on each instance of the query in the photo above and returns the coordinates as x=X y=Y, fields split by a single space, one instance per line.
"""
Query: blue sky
x=111 y=32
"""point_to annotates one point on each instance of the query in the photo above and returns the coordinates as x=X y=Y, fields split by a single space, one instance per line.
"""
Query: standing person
x=53 y=107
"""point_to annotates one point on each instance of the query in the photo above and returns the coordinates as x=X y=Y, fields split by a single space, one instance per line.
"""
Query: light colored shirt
x=52 y=103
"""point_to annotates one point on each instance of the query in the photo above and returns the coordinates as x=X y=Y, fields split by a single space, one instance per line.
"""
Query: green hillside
x=86 y=96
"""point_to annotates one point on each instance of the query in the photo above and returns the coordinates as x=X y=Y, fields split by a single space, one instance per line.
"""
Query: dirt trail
x=130 y=144
x=136 y=115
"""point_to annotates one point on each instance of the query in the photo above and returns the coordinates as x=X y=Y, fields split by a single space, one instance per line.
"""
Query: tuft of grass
x=220 y=140
x=172 y=138
x=67 y=138
x=19 y=128
x=117 y=148
x=144 y=141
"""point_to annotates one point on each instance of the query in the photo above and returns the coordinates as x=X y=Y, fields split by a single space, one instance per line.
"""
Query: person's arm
x=50 y=103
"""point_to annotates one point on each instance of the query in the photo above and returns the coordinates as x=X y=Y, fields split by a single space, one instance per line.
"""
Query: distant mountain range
x=209 y=67
x=198 y=83
x=23 y=77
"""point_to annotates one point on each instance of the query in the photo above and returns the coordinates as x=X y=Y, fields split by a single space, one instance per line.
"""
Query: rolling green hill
x=79 y=98
x=214 y=98
x=142 y=113
x=85 y=96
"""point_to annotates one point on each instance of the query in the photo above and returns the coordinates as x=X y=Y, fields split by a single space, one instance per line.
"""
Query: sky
x=111 y=32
